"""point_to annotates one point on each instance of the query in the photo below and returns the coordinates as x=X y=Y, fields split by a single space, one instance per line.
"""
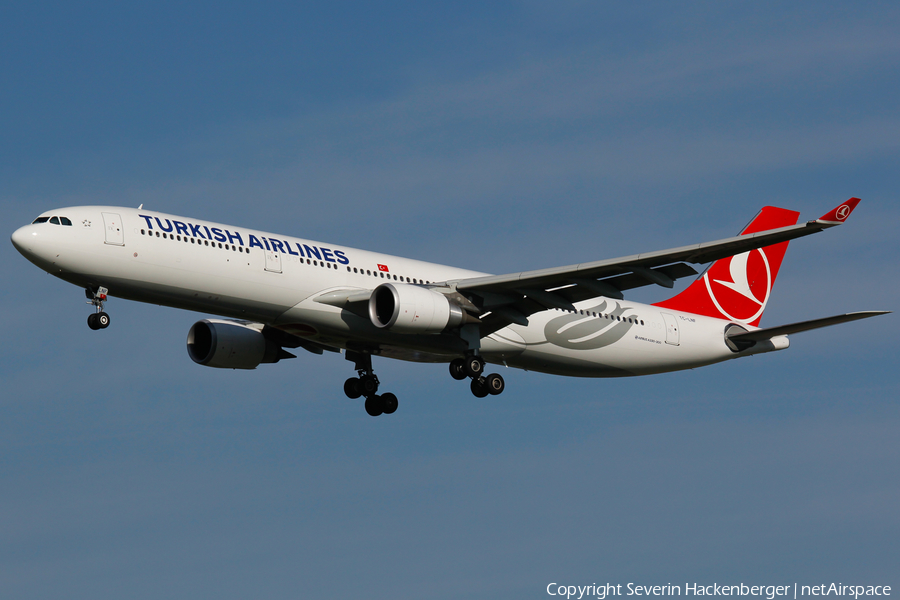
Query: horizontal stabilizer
x=770 y=332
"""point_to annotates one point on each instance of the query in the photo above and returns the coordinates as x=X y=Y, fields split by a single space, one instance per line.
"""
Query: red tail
x=737 y=288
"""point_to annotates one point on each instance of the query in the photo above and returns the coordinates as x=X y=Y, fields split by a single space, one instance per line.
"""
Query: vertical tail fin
x=738 y=287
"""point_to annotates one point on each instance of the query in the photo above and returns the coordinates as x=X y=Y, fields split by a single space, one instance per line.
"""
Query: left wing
x=512 y=298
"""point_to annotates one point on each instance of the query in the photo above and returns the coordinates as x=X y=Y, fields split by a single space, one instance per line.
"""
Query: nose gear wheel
x=98 y=319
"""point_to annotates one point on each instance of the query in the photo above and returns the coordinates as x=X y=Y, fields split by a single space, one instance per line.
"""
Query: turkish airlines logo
x=740 y=287
x=842 y=212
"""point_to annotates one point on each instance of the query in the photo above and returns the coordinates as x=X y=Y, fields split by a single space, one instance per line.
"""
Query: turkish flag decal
x=383 y=268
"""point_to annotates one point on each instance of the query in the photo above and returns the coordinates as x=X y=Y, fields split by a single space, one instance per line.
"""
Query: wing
x=512 y=298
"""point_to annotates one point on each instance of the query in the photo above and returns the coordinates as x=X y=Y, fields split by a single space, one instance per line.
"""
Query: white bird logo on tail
x=740 y=283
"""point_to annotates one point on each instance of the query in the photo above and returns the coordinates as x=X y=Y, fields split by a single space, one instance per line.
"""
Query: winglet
x=840 y=214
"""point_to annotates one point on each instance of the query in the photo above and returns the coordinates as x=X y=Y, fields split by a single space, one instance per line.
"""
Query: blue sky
x=498 y=137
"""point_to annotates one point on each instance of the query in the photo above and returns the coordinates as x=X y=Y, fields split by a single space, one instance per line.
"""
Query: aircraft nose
x=32 y=243
x=20 y=238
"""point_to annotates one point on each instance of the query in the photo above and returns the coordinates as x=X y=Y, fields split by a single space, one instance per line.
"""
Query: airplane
x=278 y=293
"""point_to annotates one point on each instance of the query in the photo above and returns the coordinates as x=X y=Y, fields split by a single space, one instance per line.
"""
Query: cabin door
x=112 y=225
x=273 y=261
x=672 y=335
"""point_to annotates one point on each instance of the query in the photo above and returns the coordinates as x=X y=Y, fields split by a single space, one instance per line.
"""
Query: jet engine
x=231 y=345
x=412 y=309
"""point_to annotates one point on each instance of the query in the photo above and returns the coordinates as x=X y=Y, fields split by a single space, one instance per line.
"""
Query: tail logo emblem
x=740 y=283
x=842 y=213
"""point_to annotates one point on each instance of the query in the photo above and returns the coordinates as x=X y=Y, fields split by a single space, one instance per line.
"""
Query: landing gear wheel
x=458 y=369
x=103 y=320
x=389 y=403
x=494 y=384
x=474 y=366
x=479 y=388
x=353 y=388
x=374 y=406
x=92 y=321
x=368 y=385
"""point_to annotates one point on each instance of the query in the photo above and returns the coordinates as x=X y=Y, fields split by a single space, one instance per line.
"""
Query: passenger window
x=40 y=220
x=54 y=220
x=65 y=221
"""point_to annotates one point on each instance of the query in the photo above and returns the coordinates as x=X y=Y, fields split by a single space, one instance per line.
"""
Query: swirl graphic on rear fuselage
x=587 y=332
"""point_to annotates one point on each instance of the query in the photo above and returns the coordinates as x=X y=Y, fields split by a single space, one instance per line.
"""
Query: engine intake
x=230 y=345
x=412 y=309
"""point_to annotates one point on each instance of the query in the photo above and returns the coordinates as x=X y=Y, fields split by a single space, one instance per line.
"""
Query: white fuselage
x=274 y=279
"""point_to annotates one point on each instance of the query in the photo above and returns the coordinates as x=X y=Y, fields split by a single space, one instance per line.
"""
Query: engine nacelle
x=412 y=309
x=229 y=345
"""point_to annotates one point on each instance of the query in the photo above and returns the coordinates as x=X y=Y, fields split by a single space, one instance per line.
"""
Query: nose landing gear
x=473 y=366
x=98 y=319
x=367 y=385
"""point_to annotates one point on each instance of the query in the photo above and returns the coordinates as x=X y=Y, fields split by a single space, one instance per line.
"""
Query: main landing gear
x=366 y=385
x=99 y=319
x=473 y=366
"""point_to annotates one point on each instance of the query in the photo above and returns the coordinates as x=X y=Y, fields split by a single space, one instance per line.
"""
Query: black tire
x=479 y=389
x=494 y=384
x=474 y=366
x=374 y=406
x=92 y=321
x=389 y=403
x=103 y=320
x=458 y=369
x=353 y=388
x=368 y=385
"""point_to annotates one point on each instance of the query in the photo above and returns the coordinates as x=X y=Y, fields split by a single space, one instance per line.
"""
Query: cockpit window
x=54 y=220
x=40 y=220
x=65 y=221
